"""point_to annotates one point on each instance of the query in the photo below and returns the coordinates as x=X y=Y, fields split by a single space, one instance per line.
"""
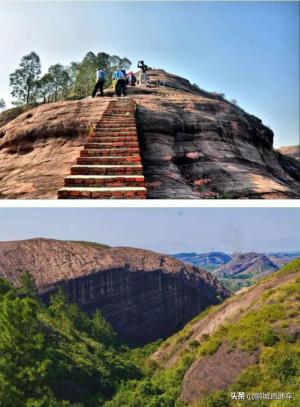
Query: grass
x=91 y=244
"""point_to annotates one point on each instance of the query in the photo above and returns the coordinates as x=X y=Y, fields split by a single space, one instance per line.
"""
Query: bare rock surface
x=194 y=144
x=144 y=295
x=215 y=372
x=38 y=148
x=291 y=151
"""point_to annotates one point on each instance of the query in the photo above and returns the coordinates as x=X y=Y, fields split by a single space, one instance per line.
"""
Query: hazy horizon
x=165 y=230
x=247 y=50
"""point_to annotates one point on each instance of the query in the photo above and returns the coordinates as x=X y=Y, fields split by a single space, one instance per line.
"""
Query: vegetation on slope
x=96 y=245
x=57 y=356
x=268 y=328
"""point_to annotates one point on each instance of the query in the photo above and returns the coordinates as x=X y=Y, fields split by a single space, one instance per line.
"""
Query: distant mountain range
x=207 y=260
x=239 y=269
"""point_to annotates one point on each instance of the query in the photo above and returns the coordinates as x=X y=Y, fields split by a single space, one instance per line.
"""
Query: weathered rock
x=38 y=148
x=144 y=295
x=291 y=151
x=194 y=144
x=215 y=372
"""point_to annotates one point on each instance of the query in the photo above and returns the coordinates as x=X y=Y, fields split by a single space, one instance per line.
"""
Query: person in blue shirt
x=100 y=80
x=119 y=82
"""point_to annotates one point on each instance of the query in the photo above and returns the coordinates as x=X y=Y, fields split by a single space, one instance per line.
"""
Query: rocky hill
x=249 y=264
x=194 y=144
x=144 y=295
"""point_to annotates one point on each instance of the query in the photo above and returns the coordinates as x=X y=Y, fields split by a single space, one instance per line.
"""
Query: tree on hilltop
x=60 y=78
x=45 y=88
x=2 y=103
x=23 y=80
x=74 y=81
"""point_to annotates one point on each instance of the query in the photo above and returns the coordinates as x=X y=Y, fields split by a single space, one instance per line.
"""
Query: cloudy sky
x=166 y=230
x=247 y=50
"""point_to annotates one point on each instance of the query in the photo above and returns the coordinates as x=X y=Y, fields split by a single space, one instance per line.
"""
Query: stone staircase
x=109 y=166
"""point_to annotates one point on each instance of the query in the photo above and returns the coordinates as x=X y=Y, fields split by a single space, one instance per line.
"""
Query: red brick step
x=133 y=169
x=109 y=166
x=102 y=193
x=106 y=180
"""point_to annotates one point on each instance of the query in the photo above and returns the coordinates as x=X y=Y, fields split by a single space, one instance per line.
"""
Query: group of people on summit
x=120 y=79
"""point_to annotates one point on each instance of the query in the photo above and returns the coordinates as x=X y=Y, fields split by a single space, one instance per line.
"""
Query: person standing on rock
x=100 y=80
x=143 y=76
x=119 y=81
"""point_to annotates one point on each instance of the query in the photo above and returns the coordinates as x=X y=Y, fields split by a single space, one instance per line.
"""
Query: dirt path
x=229 y=311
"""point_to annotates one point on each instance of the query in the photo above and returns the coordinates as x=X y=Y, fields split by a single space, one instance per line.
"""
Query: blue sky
x=247 y=50
x=166 y=230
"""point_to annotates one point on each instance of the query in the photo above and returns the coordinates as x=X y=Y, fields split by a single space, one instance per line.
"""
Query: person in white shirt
x=100 y=80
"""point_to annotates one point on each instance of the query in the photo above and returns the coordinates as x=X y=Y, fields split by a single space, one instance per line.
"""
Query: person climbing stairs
x=109 y=166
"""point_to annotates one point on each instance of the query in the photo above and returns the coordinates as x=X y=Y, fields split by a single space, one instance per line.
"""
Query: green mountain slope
x=257 y=350
x=57 y=356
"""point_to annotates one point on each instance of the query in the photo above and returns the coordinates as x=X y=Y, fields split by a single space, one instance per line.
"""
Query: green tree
x=28 y=286
x=23 y=360
x=2 y=103
x=23 y=80
x=86 y=75
x=45 y=87
x=60 y=81
x=5 y=287
x=101 y=330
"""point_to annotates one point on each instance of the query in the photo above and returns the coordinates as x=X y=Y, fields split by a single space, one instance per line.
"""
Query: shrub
x=210 y=347
x=269 y=337
x=216 y=399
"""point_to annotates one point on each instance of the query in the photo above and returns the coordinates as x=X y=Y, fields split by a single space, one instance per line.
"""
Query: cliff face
x=144 y=295
x=194 y=144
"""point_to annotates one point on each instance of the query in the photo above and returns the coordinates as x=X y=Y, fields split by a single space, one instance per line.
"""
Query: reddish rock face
x=206 y=137
x=38 y=148
x=144 y=295
x=185 y=135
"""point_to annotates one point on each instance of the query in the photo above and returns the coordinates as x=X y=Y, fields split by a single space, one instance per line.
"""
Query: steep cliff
x=144 y=295
x=194 y=144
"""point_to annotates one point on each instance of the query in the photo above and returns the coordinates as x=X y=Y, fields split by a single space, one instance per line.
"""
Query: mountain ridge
x=144 y=295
